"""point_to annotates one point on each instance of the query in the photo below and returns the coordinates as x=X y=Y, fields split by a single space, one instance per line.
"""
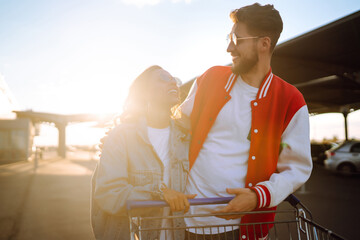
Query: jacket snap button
x=256 y=131
x=255 y=104
x=250 y=184
x=243 y=236
x=253 y=157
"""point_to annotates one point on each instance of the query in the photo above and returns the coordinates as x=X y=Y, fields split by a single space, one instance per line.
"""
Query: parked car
x=318 y=152
x=344 y=158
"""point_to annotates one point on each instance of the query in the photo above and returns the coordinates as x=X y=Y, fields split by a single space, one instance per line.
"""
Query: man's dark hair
x=260 y=20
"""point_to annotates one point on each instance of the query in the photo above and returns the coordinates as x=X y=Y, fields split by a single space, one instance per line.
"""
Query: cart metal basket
x=295 y=223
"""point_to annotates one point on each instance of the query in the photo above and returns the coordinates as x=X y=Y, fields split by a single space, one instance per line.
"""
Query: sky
x=80 y=56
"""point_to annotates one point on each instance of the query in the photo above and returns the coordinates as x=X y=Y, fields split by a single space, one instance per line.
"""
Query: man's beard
x=246 y=64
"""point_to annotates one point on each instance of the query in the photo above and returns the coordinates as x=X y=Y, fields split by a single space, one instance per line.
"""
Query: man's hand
x=244 y=201
x=177 y=200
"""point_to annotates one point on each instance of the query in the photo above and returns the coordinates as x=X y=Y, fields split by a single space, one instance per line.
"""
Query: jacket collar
x=230 y=82
x=264 y=87
x=141 y=130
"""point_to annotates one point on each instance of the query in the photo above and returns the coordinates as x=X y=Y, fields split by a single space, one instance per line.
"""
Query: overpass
x=61 y=121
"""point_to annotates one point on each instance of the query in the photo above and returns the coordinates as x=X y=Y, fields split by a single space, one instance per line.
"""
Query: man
x=250 y=130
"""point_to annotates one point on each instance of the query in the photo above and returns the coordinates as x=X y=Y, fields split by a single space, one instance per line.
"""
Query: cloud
x=186 y=1
x=142 y=3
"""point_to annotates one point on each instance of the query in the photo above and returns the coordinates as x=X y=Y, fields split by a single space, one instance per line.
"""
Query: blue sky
x=75 y=56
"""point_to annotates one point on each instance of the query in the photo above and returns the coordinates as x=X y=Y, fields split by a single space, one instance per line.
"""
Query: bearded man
x=250 y=131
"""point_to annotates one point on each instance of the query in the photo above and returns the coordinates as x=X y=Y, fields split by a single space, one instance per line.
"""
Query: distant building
x=7 y=101
x=16 y=135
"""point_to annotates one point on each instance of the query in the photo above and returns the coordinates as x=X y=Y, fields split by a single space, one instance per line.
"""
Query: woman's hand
x=100 y=145
x=178 y=201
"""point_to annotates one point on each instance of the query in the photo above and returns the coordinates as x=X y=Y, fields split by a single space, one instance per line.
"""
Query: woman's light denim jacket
x=130 y=169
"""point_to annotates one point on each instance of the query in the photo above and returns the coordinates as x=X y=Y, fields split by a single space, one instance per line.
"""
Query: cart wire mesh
x=295 y=223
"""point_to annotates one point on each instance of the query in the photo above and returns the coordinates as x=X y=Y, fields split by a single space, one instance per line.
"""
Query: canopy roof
x=62 y=118
x=324 y=65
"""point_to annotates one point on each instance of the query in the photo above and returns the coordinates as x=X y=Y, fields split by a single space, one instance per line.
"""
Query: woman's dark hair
x=260 y=21
x=136 y=102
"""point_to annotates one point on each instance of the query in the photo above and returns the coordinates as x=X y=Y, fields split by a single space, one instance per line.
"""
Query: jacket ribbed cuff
x=263 y=196
x=157 y=191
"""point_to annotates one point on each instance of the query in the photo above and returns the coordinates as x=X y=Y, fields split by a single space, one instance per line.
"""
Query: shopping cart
x=295 y=223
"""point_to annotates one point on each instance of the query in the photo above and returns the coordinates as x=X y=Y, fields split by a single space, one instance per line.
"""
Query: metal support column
x=62 y=139
x=345 y=114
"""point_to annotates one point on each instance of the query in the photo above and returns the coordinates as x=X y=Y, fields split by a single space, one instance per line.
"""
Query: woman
x=145 y=157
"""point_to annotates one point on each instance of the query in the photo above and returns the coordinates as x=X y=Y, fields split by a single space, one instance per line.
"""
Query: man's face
x=244 y=53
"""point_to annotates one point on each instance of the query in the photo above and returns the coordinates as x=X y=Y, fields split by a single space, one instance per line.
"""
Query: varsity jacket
x=273 y=111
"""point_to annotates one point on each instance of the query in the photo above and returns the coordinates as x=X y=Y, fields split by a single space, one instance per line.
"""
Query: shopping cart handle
x=292 y=200
x=132 y=204
x=207 y=201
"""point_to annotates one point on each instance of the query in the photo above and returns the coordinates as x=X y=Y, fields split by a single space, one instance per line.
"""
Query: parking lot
x=333 y=200
x=53 y=202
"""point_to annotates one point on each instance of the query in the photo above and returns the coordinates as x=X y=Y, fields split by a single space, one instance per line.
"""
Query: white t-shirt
x=159 y=139
x=222 y=160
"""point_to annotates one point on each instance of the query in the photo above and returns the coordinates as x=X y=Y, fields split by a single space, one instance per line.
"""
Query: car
x=344 y=158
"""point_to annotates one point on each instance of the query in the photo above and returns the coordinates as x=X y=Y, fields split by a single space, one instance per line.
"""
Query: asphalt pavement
x=52 y=202
x=333 y=201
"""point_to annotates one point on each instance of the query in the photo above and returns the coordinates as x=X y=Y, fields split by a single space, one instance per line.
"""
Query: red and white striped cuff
x=263 y=196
